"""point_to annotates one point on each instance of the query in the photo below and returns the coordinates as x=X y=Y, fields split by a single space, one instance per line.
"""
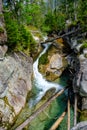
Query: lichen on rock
x=15 y=84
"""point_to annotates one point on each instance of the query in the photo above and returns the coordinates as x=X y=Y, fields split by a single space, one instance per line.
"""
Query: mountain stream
x=40 y=82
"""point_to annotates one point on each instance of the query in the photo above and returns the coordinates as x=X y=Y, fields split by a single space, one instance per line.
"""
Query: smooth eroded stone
x=56 y=62
x=15 y=83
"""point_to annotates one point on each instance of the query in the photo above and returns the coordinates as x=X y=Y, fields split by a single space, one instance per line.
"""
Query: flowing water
x=46 y=118
x=40 y=82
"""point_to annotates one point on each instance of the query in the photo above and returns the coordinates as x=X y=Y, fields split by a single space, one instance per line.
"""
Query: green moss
x=43 y=59
x=83 y=116
x=1 y=30
x=84 y=45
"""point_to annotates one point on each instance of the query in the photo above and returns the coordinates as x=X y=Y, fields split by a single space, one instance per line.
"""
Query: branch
x=66 y=34
x=41 y=108
x=59 y=120
x=75 y=110
x=68 y=112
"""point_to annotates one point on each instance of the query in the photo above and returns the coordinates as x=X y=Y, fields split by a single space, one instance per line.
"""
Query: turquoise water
x=46 y=118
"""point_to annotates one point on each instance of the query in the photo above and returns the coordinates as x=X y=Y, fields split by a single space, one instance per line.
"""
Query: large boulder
x=55 y=67
x=15 y=84
x=56 y=62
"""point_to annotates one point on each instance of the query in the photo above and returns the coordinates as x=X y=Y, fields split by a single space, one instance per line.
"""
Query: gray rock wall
x=15 y=84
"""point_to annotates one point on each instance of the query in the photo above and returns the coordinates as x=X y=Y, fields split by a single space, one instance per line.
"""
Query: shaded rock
x=83 y=80
x=3 y=50
x=85 y=52
x=84 y=103
x=80 y=126
x=15 y=83
x=6 y=113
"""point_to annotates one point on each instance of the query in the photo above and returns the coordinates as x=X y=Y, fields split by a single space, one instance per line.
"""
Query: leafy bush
x=12 y=28
x=54 y=22
x=84 y=45
x=19 y=36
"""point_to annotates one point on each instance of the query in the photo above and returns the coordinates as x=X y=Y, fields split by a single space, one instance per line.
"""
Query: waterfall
x=42 y=85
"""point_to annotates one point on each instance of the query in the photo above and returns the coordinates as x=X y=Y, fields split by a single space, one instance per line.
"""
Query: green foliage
x=33 y=15
x=12 y=30
x=82 y=13
x=26 y=42
x=43 y=16
x=19 y=36
x=54 y=22
x=43 y=59
x=84 y=45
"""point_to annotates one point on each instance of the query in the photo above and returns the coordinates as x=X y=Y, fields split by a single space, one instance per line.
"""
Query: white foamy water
x=41 y=82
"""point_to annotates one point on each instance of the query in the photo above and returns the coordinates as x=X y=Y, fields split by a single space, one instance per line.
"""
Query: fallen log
x=61 y=36
x=41 y=108
x=68 y=112
x=58 y=121
x=75 y=110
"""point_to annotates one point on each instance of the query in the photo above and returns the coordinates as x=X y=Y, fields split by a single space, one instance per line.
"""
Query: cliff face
x=78 y=65
x=3 y=35
x=15 y=84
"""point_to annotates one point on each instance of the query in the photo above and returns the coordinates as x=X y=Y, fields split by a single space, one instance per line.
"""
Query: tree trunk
x=68 y=113
x=75 y=13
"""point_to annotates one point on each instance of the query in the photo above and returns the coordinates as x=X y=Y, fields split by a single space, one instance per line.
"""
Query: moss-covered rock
x=52 y=63
x=1 y=30
x=83 y=116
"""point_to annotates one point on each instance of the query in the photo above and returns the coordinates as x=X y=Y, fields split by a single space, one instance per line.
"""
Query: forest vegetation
x=64 y=22
x=46 y=15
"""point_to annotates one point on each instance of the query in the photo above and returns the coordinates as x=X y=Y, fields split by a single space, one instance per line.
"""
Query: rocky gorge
x=16 y=74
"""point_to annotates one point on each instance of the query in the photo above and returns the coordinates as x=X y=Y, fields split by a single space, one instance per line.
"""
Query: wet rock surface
x=55 y=66
x=15 y=84
x=56 y=61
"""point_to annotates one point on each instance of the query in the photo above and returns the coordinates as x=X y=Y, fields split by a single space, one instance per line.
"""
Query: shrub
x=84 y=45
x=54 y=22
x=19 y=37
x=12 y=30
